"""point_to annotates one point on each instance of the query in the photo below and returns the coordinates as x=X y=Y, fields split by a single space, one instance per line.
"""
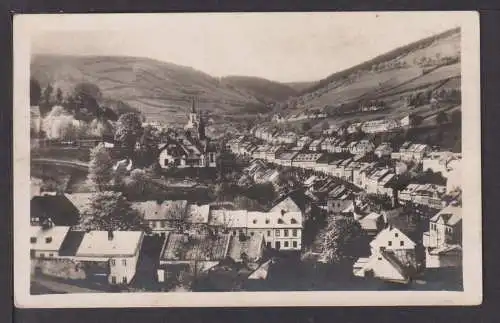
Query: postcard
x=247 y=159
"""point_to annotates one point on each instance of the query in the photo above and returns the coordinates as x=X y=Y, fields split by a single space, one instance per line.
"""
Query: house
x=118 y=251
x=46 y=241
x=411 y=152
x=384 y=149
x=443 y=241
x=56 y=207
x=234 y=144
x=184 y=152
x=328 y=145
x=306 y=160
x=316 y=145
x=271 y=152
x=354 y=127
x=162 y=216
x=267 y=176
x=377 y=126
x=372 y=223
x=286 y=138
x=249 y=249
x=285 y=158
x=304 y=141
x=191 y=253
x=393 y=257
x=361 y=147
x=338 y=199
x=426 y=194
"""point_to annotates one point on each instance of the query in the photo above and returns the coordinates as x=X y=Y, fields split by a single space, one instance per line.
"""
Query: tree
x=148 y=150
x=110 y=211
x=59 y=96
x=128 y=131
x=441 y=118
x=46 y=101
x=137 y=182
x=342 y=240
x=100 y=167
x=35 y=92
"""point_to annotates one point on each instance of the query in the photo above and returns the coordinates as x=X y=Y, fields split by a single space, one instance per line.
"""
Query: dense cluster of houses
x=204 y=234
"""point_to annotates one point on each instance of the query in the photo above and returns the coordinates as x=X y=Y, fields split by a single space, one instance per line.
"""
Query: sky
x=285 y=47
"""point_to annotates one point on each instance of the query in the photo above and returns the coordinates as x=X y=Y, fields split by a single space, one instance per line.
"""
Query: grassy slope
x=265 y=90
x=159 y=90
x=362 y=82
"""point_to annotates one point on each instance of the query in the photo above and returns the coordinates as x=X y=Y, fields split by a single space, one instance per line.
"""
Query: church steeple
x=193 y=104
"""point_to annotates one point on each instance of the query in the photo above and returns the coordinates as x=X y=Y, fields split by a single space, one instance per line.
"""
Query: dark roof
x=58 y=208
x=180 y=247
x=298 y=196
x=71 y=243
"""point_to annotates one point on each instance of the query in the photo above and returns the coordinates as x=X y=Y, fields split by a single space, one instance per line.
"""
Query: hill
x=301 y=87
x=426 y=65
x=265 y=90
x=161 y=91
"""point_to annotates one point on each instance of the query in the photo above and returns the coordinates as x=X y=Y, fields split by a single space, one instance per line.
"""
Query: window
x=42 y=255
x=124 y=262
x=124 y=280
x=294 y=243
x=294 y=232
x=165 y=162
x=234 y=232
x=162 y=224
x=33 y=240
x=268 y=233
x=293 y=221
x=286 y=244
x=280 y=221
x=268 y=244
x=113 y=279
x=251 y=233
x=277 y=233
x=286 y=232
x=401 y=243
x=113 y=262
x=396 y=234
x=254 y=221
x=267 y=221
x=389 y=243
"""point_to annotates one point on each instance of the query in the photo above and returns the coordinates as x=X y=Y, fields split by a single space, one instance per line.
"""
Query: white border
x=27 y=25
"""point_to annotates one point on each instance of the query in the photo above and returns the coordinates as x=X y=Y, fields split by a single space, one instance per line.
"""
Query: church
x=191 y=149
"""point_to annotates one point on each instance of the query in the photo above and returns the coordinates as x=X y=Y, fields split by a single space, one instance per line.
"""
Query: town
x=147 y=206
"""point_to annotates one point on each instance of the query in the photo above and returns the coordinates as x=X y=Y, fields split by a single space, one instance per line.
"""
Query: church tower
x=195 y=124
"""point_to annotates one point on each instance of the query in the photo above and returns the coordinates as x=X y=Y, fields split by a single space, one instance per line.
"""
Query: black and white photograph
x=291 y=155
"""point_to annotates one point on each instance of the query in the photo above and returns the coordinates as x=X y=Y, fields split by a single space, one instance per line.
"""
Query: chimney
x=110 y=235
x=283 y=212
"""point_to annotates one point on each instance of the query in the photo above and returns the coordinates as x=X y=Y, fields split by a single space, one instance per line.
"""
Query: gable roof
x=98 y=244
x=389 y=234
x=252 y=247
x=49 y=239
x=451 y=215
x=56 y=207
x=166 y=210
x=181 y=247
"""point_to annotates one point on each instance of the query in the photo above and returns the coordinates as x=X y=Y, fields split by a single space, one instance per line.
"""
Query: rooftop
x=451 y=215
x=166 y=210
x=49 y=239
x=100 y=244
x=181 y=247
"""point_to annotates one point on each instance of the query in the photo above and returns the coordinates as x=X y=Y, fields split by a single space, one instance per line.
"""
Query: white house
x=46 y=242
x=393 y=257
x=118 y=248
x=384 y=149
x=444 y=239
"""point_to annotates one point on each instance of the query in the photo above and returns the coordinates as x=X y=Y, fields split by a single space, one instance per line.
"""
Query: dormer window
x=396 y=234
x=48 y=240
x=293 y=221
x=254 y=221
x=267 y=221
x=280 y=221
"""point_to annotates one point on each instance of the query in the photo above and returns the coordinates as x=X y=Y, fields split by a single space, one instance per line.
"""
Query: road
x=59 y=162
x=62 y=288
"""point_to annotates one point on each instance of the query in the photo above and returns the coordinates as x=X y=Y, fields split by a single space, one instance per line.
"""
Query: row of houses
x=299 y=116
